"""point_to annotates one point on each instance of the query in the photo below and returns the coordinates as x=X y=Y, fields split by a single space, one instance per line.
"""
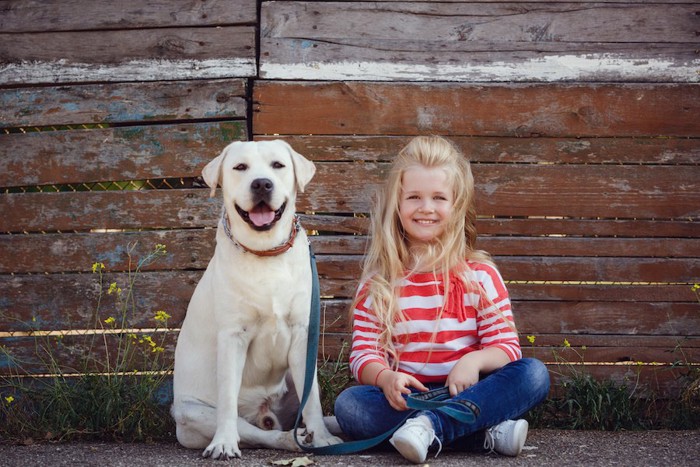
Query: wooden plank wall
x=580 y=119
x=99 y=91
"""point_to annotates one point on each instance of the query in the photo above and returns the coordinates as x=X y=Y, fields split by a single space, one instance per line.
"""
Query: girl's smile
x=425 y=204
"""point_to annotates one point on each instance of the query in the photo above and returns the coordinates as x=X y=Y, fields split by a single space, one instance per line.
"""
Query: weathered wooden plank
x=589 y=227
x=470 y=22
x=128 y=55
x=193 y=208
x=146 y=209
x=72 y=354
x=537 y=190
x=583 y=321
x=192 y=249
x=599 y=269
x=69 y=301
x=537 y=268
x=586 y=322
x=566 y=110
x=471 y=41
x=544 y=246
x=122 y=103
x=190 y=208
x=60 y=15
x=506 y=150
x=122 y=153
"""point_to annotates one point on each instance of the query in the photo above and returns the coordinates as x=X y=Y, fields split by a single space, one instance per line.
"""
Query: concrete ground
x=543 y=448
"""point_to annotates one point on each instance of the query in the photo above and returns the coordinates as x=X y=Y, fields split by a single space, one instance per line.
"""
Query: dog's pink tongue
x=261 y=215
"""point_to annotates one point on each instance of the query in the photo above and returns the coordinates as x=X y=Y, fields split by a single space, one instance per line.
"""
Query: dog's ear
x=212 y=172
x=304 y=169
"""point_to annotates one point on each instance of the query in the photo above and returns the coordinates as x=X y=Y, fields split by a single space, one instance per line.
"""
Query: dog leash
x=438 y=399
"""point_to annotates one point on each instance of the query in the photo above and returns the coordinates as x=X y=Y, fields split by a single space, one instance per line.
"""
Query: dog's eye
x=240 y=167
x=278 y=165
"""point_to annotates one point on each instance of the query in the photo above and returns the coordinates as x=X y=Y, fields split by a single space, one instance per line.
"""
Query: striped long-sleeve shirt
x=429 y=345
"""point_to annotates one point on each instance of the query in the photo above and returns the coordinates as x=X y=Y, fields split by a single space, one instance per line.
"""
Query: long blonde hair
x=388 y=257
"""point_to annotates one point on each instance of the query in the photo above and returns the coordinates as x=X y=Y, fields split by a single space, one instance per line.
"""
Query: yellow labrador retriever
x=240 y=357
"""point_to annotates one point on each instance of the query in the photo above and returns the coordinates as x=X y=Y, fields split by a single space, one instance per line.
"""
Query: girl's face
x=425 y=204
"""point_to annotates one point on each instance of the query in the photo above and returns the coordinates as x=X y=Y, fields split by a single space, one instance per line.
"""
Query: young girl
x=430 y=312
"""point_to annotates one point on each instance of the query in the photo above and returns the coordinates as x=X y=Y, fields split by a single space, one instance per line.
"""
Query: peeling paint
x=589 y=67
x=60 y=71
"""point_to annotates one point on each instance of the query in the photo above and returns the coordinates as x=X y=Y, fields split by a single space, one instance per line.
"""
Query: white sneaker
x=507 y=438
x=414 y=438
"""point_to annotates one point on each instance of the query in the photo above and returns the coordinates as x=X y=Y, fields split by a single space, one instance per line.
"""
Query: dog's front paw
x=303 y=438
x=326 y=441
x=222 y=450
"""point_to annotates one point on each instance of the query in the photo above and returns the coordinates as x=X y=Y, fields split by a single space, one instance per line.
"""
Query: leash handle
x=438 y=399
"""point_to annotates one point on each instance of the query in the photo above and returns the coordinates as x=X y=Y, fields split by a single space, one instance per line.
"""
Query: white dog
x=243 y=342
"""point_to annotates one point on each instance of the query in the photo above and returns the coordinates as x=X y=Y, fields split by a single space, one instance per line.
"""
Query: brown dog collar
x=296 y=226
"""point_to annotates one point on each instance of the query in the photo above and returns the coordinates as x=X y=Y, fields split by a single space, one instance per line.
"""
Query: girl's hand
x=465 y=373
x=462 y=376
x=395 y=384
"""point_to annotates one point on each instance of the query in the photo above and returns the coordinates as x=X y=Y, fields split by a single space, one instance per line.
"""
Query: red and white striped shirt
x=429 y=345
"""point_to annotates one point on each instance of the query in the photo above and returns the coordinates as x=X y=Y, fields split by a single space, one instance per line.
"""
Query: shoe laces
x=492 y=434
x=415 y=422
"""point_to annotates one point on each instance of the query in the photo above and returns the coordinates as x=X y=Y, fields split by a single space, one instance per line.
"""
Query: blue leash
x=437 y=399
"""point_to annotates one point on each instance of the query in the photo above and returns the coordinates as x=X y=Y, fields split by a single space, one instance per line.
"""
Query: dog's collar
x=271 y=252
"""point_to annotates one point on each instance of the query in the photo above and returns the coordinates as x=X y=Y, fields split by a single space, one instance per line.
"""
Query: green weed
x=333 y=377
x=113 y=390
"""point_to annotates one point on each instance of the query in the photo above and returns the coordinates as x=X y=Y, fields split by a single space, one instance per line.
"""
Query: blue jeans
x=508 y=393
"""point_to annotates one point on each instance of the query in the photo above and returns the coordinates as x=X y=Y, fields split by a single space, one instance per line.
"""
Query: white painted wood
x=550 y=68
x=136 y=70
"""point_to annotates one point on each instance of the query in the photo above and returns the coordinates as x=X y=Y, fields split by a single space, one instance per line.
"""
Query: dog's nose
x=261 y=186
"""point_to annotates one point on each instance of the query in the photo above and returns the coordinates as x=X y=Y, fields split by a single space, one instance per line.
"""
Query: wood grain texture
x=114 y=154
x=519 y=110
x=73 y=299
x=475 y=22
x=128 y=55
x=476 y=41
x=381 y=148
x=60 y=15
x=191 y=249
x=121 y=103
x=191 y=208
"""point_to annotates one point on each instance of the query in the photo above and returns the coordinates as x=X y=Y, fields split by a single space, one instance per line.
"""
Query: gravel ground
x=544 y=447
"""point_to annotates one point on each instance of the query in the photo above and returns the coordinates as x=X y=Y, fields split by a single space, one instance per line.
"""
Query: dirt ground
x=544 y=447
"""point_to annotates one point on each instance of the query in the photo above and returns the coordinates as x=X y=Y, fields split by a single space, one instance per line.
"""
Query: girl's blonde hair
x=388 y=257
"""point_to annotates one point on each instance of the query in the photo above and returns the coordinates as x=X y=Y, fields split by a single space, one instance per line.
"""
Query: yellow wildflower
x=162 y=316
x=113 y=288
x=110 y=320
x=160 y=248
x=566 y=343
x=9 y=399
x=696 y=287
x=531 y=339
x=148 y=340
x=97 y=266
x=157 y=349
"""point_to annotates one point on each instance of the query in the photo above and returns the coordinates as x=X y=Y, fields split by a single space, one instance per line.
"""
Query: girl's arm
x=466 y=371
x=497 y=335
